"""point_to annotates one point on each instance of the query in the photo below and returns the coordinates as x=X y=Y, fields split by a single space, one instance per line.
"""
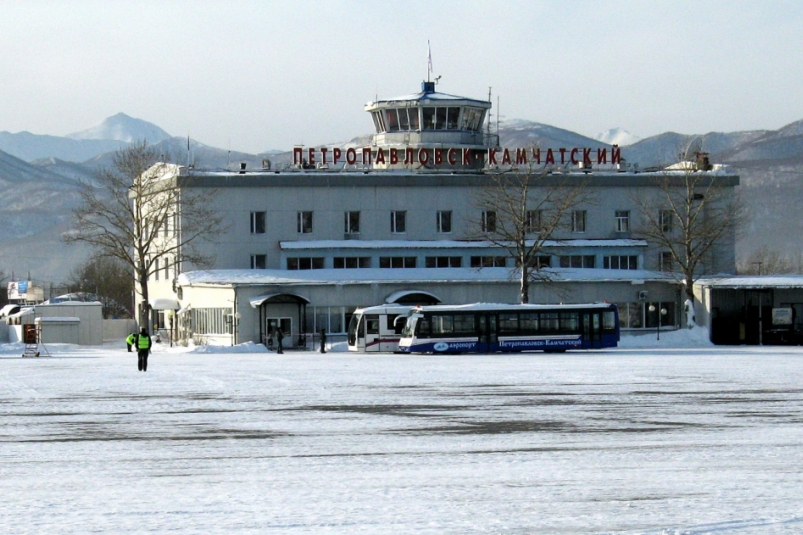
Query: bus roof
x=389 y=308
x=509 y=307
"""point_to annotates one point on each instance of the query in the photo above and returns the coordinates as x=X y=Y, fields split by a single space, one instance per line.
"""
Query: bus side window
x=608 y=320
x=422 y=327
x=372 y=325
x=394 y=326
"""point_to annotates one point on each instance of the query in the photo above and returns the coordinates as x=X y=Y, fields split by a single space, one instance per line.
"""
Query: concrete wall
x=118 y=330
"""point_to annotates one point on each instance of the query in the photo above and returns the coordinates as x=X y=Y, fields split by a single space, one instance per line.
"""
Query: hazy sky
x=260 y=75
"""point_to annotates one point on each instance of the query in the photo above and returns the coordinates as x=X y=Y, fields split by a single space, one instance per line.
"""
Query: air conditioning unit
x=642 y=295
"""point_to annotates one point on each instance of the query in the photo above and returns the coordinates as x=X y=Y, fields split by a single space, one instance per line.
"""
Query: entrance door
x=488 y=337
x=272 y=325
x=592 y=329
x=371 y=332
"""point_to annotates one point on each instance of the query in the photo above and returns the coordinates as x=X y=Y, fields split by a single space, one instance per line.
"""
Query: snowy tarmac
x=633 y=440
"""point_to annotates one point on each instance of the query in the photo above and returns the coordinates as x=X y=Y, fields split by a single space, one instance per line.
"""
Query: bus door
x=592 y=329
x=371 y=323
x=488 y=334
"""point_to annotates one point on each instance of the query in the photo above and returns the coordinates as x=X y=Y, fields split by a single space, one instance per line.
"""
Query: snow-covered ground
x=657 y=437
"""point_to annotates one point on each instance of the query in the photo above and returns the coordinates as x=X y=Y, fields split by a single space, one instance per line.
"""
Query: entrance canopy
x=413 y=297
x=164 y=304
x=278 y=298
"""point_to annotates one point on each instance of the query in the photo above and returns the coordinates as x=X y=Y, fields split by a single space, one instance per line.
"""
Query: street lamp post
x=661 y=314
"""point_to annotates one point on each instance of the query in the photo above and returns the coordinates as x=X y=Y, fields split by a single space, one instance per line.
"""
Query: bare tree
x=520 y=211
x=109 y=281
x=139 y=212
x=691 y=217
x=766 y=261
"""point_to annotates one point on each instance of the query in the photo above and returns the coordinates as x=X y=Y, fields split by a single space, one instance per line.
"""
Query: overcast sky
x=260 y=75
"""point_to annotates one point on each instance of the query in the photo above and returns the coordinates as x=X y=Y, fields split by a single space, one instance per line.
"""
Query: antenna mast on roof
x=489 y=111
x=429 y=61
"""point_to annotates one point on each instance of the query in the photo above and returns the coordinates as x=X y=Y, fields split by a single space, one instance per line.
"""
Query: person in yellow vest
x=130 y=341
x=143 y=343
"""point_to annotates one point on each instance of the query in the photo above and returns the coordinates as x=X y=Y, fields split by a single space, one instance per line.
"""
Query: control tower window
x=429 y=118
x=404 y=122
x=471 y=119
x=440 y=119
x=413 y=113
x=451 y=118
x=393 y=121
x=379 y=123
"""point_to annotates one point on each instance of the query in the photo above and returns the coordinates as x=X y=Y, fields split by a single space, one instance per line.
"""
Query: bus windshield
x=352 y=332
x=409 y=327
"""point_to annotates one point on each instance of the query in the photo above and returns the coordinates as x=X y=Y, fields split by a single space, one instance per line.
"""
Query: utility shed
x=89 y=315
x=739 y=310
x=64 y=330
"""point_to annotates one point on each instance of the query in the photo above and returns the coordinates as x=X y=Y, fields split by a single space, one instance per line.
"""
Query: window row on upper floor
x=402 y=261
x=428 y=118
x=443 y=221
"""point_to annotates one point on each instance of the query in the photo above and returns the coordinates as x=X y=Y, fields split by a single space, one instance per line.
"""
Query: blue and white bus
x=488 y=328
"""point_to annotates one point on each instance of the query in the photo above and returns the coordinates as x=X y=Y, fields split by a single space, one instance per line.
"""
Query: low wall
x=118 y=330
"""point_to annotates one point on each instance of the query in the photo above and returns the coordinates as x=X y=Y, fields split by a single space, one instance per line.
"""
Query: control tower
x=426 y=126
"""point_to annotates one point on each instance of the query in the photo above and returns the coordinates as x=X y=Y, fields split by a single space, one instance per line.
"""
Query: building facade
x=398 y=221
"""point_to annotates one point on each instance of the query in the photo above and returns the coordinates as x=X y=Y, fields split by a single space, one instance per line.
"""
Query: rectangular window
x=304 y=262
x=259 y=261
x=351 y=262
x=579 y=221
x=156 y=270
x=577 y=261
x=398 y=222
x=620 y=262
x=304 y=222
x=258 y=222
x=622 y=221
x=538 y=262
x=167 y=269
x=508 y=323
x=489 y=221
x=209 y=320
x=443 y=261
x=666 y=221
x=444 y=221
x=464 y=324
x=397 y=262
x=667 y=261
x=488 y=261
x=352 y=220
x=532 y=221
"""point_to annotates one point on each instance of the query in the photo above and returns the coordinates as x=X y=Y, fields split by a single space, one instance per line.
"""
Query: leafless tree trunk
x=138 y=212
x=520 y=210
x=689 y=216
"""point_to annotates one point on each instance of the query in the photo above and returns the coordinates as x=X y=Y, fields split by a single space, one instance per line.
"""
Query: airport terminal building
x=398 y=222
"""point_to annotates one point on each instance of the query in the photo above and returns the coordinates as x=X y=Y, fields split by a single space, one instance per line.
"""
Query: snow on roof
x=423 y=95
x=406 y=276
x=744 y=282
x=444 y=244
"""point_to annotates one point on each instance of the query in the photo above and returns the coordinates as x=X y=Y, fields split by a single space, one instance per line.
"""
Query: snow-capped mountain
x=122 y=127
x=521 y=133
x=617 y=136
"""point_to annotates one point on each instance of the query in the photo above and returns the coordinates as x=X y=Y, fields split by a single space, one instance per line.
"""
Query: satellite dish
x=694 y=146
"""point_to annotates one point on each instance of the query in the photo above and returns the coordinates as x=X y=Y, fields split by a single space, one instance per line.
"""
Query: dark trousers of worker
x=142 y=364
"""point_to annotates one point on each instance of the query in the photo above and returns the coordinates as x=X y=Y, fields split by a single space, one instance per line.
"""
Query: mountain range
x=39 y=175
